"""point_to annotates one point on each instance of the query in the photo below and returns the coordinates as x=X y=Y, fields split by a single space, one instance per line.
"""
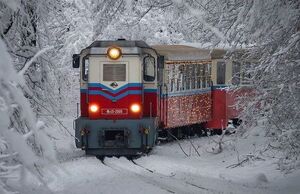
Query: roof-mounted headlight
x=114 y=53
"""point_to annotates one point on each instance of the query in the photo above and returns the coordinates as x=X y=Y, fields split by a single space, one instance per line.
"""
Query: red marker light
x=135 y=108
x=94 y=108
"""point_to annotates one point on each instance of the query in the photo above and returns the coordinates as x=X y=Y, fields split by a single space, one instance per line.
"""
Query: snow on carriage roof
x=183 y=52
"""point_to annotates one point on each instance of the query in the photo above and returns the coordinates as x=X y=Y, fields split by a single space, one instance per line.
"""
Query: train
x=132 y=94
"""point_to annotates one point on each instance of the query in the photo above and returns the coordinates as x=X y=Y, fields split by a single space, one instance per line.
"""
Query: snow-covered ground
x=168 y=170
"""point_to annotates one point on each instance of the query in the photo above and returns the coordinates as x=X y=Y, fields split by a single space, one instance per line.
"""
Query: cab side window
x=149 y=68
x=85 y=68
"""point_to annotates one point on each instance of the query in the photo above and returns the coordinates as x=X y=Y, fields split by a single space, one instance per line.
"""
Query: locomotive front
x=118 y=98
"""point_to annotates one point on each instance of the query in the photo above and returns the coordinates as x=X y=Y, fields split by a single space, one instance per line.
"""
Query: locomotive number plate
x=114 y=111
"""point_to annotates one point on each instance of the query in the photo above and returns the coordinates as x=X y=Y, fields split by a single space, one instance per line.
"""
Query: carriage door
x=221 y=70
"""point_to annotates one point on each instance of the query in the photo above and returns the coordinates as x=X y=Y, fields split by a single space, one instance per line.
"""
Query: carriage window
x=183 y=81
x=181 y=77
x=188 y=77
x=193 y=75
x=170 y=75
x=85 y=68
x=221 y=68
x=203 y=75
x=176 y=78
x=198 y=76
x=209 y=82
x=171 y=89
x=171 y=78
x=149 y=68
x=114 y=72
x=236 y=73
x=178 y=83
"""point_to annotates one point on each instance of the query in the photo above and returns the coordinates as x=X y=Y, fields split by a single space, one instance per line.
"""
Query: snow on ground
x=167 y=170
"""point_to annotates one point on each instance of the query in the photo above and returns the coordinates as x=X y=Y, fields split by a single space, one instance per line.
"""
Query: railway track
x=163 y=175
x=168 y=183
x=126 y=172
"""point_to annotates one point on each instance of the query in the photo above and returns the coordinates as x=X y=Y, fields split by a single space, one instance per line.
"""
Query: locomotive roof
x=120 y=43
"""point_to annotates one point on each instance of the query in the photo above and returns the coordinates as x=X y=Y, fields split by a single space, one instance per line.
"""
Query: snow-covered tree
x=270 y=31
x=42 y=35
x=25 y=146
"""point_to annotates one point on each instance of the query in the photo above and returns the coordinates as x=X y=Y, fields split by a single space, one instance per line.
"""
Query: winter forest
x=39 y=92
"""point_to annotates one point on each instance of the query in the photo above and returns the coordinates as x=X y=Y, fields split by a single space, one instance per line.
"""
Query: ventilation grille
x=114 y=72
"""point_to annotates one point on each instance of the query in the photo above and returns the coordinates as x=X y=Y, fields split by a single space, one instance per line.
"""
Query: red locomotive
x=131 y=92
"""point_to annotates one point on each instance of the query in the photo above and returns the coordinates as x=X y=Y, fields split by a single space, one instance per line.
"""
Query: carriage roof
x=186 y=53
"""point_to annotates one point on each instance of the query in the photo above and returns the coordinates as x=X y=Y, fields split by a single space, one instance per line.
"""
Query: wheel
x=100 y=157
x=218 y=131
x=199 y=132
x=236 y=122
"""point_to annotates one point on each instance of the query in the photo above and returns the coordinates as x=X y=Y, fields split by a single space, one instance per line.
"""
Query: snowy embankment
x=243 y=166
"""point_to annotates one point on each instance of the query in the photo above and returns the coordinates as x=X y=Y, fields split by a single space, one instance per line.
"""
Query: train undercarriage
x=130 y=137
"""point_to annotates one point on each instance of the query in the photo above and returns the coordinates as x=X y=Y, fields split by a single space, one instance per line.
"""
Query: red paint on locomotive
x=150 y=104
x=119 y=109
x=83 y=104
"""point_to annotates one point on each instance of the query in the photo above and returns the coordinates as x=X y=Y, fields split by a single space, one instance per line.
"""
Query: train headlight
x=135 y=108
x=94 y=108
x=114 y=53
